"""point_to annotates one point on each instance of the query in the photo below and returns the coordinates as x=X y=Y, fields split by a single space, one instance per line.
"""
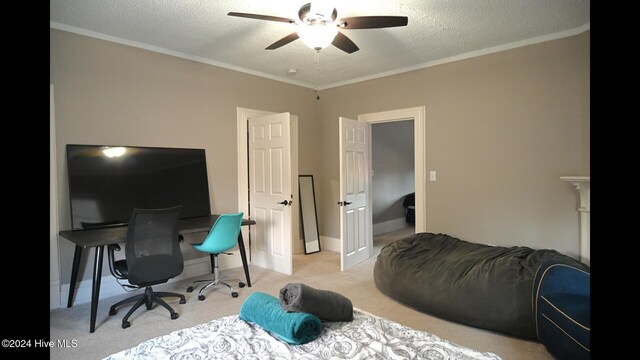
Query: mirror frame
x=314 y=217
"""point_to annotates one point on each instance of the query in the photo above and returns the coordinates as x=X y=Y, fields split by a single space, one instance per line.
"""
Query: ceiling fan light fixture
x=322 y=8
x=318 y=35
x=318 y=26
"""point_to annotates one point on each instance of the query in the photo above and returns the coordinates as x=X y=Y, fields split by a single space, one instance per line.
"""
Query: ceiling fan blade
x=373 y=22
x=261 y=17
x=342 y=42
x=284 y=41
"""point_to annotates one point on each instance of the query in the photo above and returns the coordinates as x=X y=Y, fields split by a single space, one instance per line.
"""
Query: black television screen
x=107 y=182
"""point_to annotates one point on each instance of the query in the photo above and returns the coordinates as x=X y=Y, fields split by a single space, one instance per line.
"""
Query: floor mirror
x=308 y=214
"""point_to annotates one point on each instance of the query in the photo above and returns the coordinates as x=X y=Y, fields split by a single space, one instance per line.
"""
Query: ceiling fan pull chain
x=317 y=61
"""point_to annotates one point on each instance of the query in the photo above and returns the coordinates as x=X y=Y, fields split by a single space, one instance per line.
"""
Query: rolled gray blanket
x=325 y=304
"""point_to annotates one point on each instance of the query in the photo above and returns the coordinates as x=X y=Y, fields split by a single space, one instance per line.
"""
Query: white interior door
x=270 y=191
x=355 y=214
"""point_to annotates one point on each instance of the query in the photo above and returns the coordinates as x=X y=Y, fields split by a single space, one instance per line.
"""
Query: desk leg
x=243 y=255
x=95 y=291
x=74 y=274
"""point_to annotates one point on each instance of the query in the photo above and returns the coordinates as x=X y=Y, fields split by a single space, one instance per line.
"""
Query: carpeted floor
x=320 y=270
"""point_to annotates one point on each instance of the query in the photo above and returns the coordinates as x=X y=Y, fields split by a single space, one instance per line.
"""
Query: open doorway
x=417 y=116
x=392 y=182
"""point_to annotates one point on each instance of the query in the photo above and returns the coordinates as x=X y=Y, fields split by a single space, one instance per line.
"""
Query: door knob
x=344 y=203
x=285 y=202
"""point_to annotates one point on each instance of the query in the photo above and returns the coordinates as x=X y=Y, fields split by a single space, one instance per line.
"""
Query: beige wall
x=501 y=130
x=108 y=93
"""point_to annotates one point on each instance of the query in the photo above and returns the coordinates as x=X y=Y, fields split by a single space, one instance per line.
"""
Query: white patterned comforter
x=366 y=337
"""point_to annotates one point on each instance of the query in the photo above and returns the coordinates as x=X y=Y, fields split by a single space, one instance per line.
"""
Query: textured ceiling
x=438 y=31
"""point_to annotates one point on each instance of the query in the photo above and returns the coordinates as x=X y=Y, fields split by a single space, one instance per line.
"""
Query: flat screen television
x=107 y=182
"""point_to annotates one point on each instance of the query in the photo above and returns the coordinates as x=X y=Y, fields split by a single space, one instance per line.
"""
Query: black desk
x=98 y=238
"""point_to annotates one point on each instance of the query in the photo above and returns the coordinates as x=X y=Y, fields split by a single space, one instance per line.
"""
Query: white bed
x=366 y=337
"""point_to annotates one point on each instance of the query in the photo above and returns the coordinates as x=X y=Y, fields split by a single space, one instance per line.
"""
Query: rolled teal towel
x=294 y=328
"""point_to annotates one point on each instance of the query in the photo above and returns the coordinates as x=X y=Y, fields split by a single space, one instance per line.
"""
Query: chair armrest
x=111 y=256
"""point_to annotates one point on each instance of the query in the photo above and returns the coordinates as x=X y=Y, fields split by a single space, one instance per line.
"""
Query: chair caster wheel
x=241 y=284
x=113 y=312
x=234 y=294
x=183 y=301
x=125 y=324
x=174 y=316
x=190 y=289
x=201 y=297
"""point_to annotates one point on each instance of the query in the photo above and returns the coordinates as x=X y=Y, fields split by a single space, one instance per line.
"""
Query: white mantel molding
x=583 y=185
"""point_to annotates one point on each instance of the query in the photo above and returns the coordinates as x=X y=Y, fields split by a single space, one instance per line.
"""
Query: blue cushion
x=562 y=305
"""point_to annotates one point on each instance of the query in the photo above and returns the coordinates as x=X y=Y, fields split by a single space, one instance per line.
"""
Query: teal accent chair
x=222 y=237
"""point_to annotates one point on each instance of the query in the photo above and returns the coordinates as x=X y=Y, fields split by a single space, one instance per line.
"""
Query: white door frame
x=243 y=115
x=54 y=260
x=418 y=115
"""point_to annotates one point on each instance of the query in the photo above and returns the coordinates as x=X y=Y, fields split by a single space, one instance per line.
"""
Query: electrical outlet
x=432 y=175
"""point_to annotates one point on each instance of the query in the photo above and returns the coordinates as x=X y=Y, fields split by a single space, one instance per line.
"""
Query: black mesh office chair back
x=152 y=256
x=152 y=249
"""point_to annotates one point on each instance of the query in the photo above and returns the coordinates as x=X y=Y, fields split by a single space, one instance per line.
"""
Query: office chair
x=222 y=237
x=152 y=256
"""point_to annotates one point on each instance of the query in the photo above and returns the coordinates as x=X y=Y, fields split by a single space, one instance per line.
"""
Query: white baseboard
x=329 y=243
x=390 y=225
x=109 y=287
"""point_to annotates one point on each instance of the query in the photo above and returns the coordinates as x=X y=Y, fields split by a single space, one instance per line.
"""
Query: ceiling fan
x=318 y=26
